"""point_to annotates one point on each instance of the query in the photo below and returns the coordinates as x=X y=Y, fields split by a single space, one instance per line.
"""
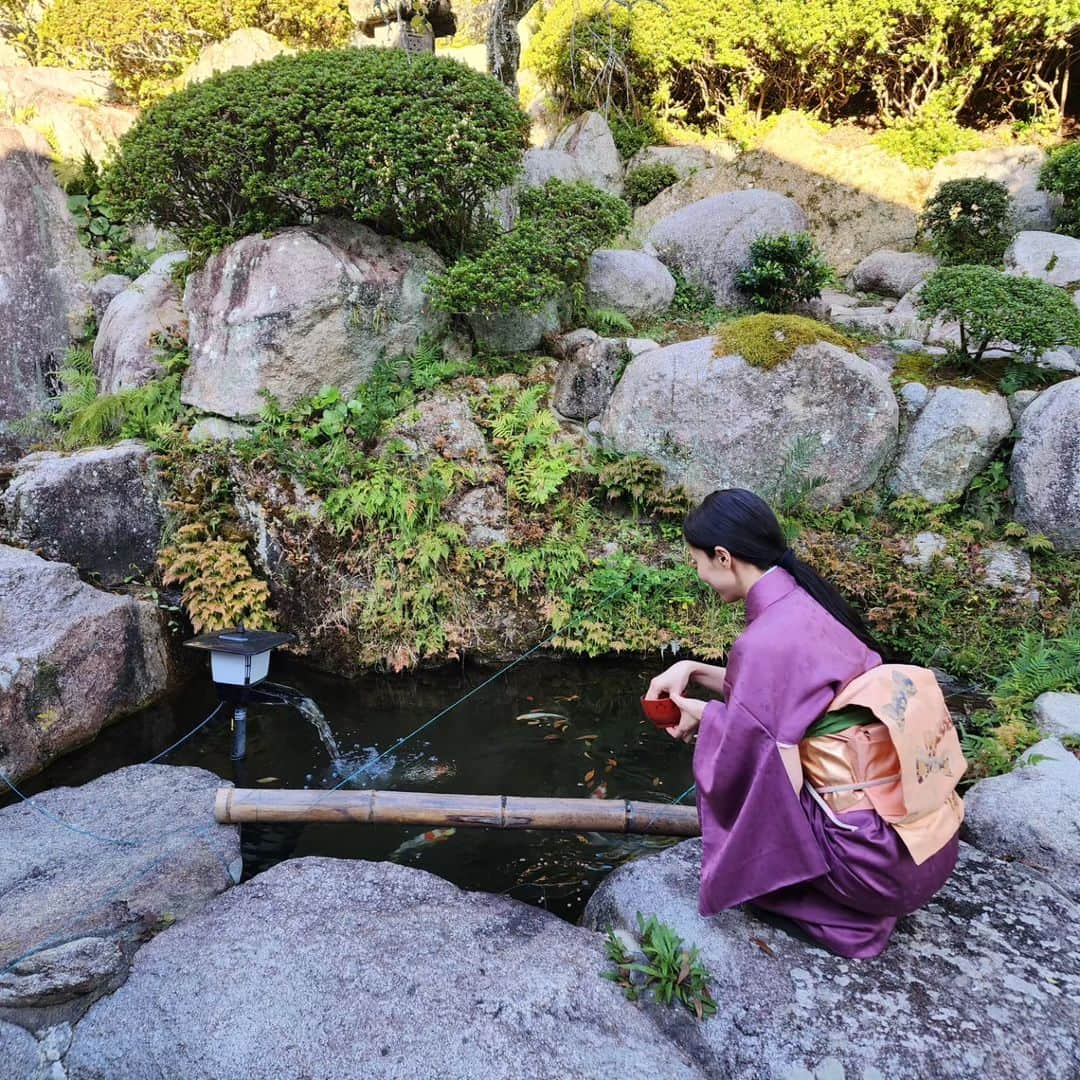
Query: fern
x=1041 y=665
x=609 y=322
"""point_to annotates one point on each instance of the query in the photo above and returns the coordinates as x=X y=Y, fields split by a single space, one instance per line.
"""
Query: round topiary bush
x=410 y=145
x=784 y=271
x=145 y=44
x=994 y=307
x=968 y=221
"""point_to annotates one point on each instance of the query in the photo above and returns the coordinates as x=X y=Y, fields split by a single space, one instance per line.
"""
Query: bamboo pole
x=234 y=806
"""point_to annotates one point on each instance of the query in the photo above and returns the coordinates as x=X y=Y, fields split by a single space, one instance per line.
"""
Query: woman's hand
x=672 y=681
x=690 y=721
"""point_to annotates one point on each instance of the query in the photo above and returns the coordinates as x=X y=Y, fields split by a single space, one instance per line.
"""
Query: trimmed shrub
x=644 y=183
x=633 y=133
x=768 y=340
x=145 y=44
x=411 y=145
x=1060 y=174
x=992 y=306
x=691 y=60
x=548 y=249
x=968 y=221
x=784 y=270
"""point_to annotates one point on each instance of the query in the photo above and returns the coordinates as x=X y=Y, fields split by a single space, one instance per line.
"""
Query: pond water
x=488 y=745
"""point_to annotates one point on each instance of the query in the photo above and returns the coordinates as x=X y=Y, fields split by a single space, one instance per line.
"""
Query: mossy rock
x=768 y=340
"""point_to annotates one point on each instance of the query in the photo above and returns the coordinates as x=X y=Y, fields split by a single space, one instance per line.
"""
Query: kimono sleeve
x=757 y=837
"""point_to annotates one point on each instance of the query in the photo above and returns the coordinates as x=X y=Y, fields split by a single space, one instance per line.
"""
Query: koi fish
x=423 y=840
x=542 y=716
x=436 y=771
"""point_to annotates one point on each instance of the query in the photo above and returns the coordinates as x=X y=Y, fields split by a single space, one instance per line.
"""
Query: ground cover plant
x=413 y=146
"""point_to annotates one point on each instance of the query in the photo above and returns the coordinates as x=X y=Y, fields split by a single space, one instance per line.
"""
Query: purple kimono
x=765 y=843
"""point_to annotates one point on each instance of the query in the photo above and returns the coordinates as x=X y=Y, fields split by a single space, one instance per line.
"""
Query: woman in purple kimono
x=842 y=875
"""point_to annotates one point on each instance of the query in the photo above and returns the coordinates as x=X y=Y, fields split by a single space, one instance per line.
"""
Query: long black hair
x=745 y=525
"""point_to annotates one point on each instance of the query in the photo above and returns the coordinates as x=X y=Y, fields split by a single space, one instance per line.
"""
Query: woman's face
x=718 y=572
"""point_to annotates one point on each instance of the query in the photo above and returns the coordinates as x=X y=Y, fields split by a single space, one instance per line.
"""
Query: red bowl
x=663 y=712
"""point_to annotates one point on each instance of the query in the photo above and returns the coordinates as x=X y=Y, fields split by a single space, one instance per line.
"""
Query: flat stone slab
x=73 y=908
x=334 y=968
x=981 y=984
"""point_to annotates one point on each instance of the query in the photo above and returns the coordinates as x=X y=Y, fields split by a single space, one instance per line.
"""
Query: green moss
x=768 y=340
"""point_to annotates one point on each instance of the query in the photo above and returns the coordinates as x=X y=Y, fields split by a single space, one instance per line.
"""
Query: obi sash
x=906 y=767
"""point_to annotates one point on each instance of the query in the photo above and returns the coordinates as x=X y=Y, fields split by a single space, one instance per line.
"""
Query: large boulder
x=954 y=436
x=586 y=374
x=1032 y=814
x=709 y=241
x=589 y=141
x=99 y=509
x=633 y=282
x=1048 y=256
x=685 y=160
x=1017 y=167
x=1046 y=465
x=44 y=301
x=515 y=331
x=378 y=970
x=137 y=325
x=72 y=658
x=1058 y=715
x=717 y=421
x=75 y=907
x=306 y=308
x=241 y=48
x=892 y=273
x=857 y=198
x=69 y=108
x=993 y=954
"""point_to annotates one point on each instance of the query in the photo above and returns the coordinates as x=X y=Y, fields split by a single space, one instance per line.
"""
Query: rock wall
x=44 y=302
x=72 y=658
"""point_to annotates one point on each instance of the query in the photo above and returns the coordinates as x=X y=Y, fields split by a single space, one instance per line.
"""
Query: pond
x=548 y=727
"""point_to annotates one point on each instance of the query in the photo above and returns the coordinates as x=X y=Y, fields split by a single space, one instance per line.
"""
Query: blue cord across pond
x=487 y=682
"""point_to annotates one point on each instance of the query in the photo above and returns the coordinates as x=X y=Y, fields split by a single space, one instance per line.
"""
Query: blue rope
x=60 y=821
x=476 y=689
x=181 y=741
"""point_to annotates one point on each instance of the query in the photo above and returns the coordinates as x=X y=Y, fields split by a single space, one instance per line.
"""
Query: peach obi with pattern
x=906 y=767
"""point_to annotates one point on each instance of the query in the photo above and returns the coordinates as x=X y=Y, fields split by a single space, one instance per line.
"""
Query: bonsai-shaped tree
x=1021 y=314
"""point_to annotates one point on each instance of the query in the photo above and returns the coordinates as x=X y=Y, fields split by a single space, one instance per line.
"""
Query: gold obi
x=841 y=767
x=905 y=767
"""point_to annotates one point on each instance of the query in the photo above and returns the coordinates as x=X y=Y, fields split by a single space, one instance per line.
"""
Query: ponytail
x=743 y=522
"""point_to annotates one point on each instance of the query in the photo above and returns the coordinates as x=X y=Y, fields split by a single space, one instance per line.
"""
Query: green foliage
x=526 y=435
x=784 y=270
x=19 y=24
x=769 y=340
x=633 y=133
x=146 y=44
x=645 y=182
x=924 y=139
x=85 y=418
x=673 y=972
x=968 y=221
x=641 y=482
x=548 y=249
x=794 y=482
x=1060 y=174
x=608 y=321
x=995 y=737
x=411 y=145
x=992 y=306
x=697 y=60
x=102 y=227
